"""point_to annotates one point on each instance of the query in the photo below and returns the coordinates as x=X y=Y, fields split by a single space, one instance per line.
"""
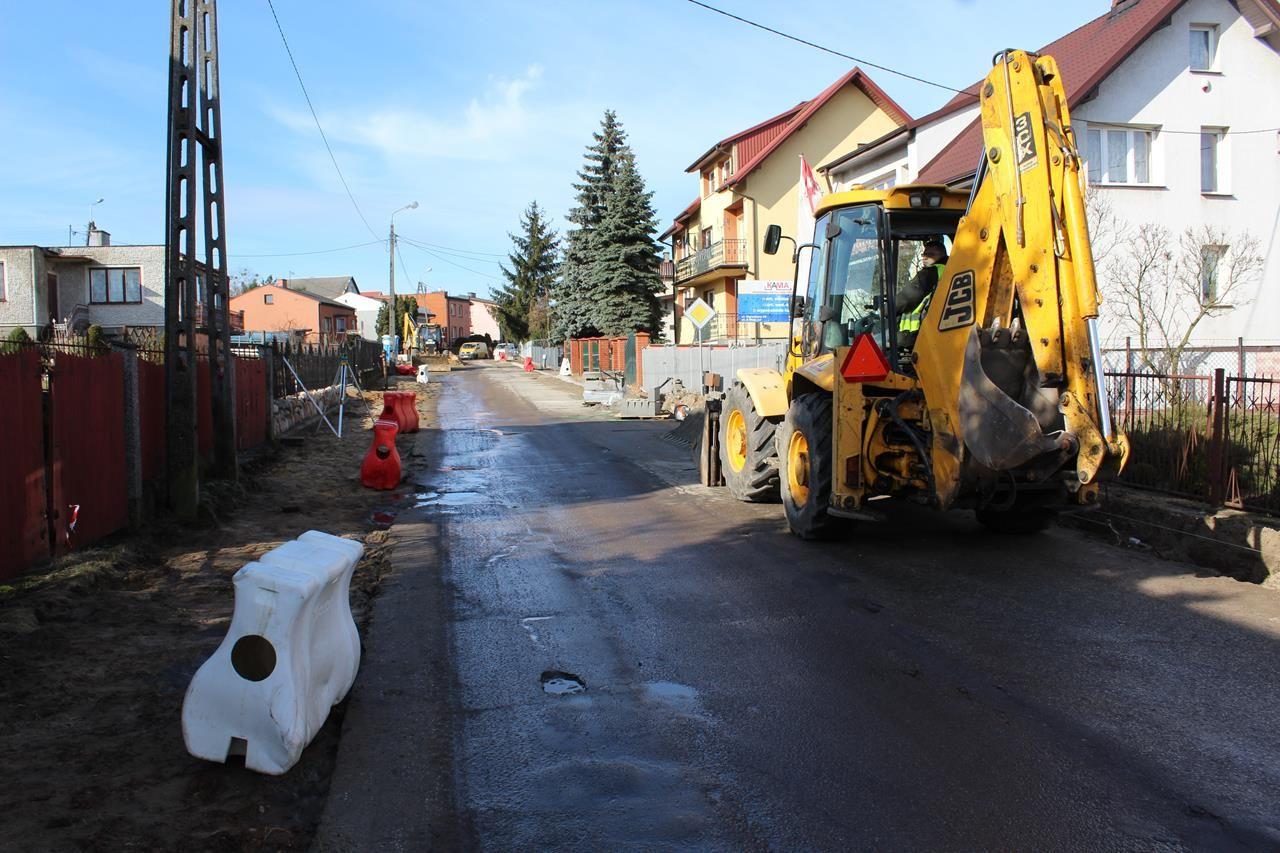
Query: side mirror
x=826 y=313
x=797 y=306
x=833 y=228
x=772 y=238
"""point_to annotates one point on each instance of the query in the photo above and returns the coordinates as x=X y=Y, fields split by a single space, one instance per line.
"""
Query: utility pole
x=392 y=327
x=195 y=136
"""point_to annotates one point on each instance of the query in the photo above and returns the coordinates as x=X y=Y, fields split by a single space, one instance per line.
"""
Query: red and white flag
x=806 y=217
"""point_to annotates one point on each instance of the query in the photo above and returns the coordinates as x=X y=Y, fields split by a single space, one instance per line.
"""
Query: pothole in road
x=559 y=683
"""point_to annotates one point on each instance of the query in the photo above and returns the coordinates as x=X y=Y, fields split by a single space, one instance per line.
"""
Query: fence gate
x=86 y=411
x=23 y=525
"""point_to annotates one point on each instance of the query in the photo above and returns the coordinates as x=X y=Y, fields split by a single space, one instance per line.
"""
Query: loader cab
x=865 y=244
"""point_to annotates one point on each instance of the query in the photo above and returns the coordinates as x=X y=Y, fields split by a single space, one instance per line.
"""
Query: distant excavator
x=996 y=402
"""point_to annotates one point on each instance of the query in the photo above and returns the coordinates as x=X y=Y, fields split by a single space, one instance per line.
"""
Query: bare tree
x=1163 y=289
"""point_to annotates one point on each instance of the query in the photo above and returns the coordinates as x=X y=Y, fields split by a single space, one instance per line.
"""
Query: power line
x=767 y=29
x=454 y=250
x=440 y=257
x=461 y=256
x=316 y=252
x=311 y=107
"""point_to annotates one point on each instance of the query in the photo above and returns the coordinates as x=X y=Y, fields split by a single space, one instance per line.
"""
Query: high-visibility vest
x=912 y=322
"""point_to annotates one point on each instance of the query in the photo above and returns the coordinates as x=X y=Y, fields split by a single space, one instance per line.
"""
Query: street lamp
x=413 y=205
x=92 y=205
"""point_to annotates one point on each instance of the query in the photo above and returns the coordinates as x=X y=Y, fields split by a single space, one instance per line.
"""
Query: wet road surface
x=638 y=662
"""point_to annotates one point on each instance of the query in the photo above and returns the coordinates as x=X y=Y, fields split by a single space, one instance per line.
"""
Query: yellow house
x=750 y=181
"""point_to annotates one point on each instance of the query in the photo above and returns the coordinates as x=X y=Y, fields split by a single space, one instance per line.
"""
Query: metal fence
x=545 y=355
x=1235 y=357
x=316 y=365
x=1212 y=437
x=689 y=363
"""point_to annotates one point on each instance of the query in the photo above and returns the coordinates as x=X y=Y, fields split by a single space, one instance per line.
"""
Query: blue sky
x=473 y=109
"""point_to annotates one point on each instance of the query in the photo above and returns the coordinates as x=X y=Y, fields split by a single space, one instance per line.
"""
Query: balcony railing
x=723 y=253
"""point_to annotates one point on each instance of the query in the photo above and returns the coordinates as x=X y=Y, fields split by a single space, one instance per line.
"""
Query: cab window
x=852 y=302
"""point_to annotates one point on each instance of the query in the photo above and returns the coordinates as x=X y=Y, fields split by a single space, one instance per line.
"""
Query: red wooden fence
x=86 y=411
x=23 y=530
x=251 y=402
x=151 y=407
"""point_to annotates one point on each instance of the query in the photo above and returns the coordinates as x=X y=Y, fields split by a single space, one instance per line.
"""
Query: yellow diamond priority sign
x=699 y=313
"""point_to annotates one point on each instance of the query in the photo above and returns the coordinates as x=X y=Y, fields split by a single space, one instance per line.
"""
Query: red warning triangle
x=865 y=361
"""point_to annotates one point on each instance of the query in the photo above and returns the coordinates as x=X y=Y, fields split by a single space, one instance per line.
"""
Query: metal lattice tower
x=196 y=303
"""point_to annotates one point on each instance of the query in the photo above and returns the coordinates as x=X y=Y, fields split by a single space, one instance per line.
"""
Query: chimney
x=472 y=294
x=97 y=237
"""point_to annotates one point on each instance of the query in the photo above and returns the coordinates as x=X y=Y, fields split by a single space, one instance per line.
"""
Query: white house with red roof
x=1176 y=108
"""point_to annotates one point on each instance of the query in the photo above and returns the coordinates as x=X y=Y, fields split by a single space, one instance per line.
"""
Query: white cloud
x=484 y=130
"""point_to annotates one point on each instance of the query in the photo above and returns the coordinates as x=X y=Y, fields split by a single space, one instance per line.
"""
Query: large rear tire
x=748 y=454
x=804 y=452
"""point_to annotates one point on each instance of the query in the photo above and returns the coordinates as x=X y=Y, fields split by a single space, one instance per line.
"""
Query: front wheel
x=804 y=453
x=747 y=449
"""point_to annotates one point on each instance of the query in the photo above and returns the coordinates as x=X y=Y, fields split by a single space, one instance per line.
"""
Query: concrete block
x=290 y=654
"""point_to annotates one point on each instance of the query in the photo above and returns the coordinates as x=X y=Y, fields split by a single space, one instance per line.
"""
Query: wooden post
x=1217 y=439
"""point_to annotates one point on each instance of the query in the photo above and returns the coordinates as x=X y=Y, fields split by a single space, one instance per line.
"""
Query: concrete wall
x=1155 y=87
x=689 y=363
x=18 y=302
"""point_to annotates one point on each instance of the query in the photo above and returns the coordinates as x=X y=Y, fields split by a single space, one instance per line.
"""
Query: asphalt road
x=921 y=685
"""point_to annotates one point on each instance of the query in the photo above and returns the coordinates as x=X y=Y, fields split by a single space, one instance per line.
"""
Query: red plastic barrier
x=528 y=364
x=408 y=408
x=23 y=524
x=406 y=370
x=391 y=408
x=381 y=466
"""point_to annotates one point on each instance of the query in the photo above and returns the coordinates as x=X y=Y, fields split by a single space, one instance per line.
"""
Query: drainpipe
x=35 y=293
x=755 y=244
x=675 y=294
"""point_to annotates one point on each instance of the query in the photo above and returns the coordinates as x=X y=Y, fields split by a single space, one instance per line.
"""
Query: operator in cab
x=912 y=299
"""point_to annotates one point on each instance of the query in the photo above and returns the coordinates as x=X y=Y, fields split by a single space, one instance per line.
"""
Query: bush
x=15 y=340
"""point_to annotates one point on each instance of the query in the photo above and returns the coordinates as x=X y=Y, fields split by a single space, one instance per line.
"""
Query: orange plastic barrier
x=381 y=466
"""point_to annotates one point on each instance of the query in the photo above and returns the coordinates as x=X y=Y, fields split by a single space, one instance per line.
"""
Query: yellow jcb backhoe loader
x=990 y=395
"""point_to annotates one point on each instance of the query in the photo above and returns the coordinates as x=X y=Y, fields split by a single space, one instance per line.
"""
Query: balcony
x=721 y=254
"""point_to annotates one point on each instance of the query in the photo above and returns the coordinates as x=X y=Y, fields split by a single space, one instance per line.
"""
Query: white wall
x=931 y=138
x=1155 y=86
x=73 y=283
x=366 y=313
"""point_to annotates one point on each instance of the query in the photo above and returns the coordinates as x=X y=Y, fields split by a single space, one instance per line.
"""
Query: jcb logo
x=1025 y=142
x=958 y=310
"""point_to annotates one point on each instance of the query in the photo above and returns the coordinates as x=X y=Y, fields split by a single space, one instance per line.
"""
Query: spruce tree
x=625 y=260
x=534 y=266
x=574 y=310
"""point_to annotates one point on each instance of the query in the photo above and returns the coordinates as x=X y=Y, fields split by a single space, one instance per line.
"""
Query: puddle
x=382 y=517
x=559 y=683
x=668 y=692
x=456 y=468
x=447 y=499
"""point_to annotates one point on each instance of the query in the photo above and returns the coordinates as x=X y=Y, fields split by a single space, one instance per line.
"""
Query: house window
x=1210 y=257
x=1120 y=155
x=706 y=237
x=268 y=299
x=4 y=292
x=1204 y=47
x=1211 y=171
x=115 y=286
x=341 y=324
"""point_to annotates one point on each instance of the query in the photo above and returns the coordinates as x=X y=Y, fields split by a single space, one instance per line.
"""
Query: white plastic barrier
x=424 y=374
x=290 y=654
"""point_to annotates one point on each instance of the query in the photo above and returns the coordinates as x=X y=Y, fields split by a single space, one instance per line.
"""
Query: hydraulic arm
x=1008 y=356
